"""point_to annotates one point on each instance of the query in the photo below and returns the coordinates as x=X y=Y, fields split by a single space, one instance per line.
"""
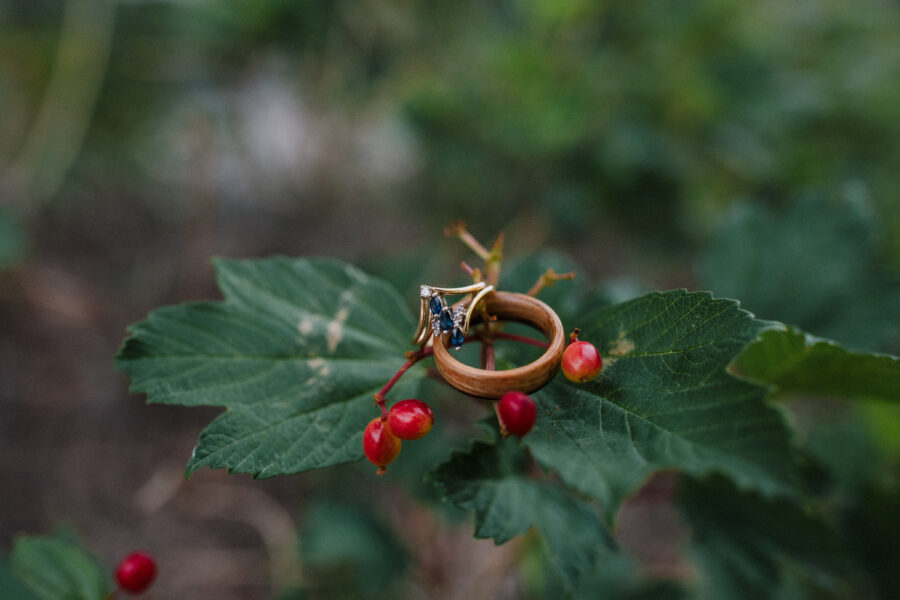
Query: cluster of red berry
x=516 y=412
x=407 y=420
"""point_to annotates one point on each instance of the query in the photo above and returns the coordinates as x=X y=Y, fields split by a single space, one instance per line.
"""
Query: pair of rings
x=437 y=318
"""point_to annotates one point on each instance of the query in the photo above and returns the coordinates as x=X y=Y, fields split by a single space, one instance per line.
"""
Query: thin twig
x=547 y=279
x=520 y=338
x=493 y=262
x=474 y=273
x=459 y=231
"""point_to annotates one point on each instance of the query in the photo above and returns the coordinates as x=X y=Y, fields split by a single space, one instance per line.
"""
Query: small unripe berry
x=581 y=362
x=410 y=419
x=380 y=444
x=136 y=572
x=516 y=412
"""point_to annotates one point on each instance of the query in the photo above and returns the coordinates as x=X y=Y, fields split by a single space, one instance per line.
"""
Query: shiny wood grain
x=508 y=306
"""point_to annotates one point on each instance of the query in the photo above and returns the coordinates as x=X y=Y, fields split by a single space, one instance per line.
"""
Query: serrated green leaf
x=748 y=546
x=796 y=363
x=813 y=266
x=663 y=401
x=56 y=567
x=295 y=353
x=491 y=481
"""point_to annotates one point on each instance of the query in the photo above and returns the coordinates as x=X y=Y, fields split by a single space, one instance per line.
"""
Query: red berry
x=136 y=572
x=410 y=419
x=517 y=412
x=581 y=362
x=380 y=444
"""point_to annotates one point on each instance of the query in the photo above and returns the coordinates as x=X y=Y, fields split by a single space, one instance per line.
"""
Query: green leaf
x=349 y=552
x=812 y=266
x=491 y=480
x=663 y=401
x=295 y=353
x=796 y=363
x=13 y=238
x=619 y=578
x=871 y=530
x=10 y=585
x=56 y=567
x=748 y=546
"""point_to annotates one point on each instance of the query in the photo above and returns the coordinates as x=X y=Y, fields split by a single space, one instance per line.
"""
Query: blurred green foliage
x=654 y=115
x=609 y=123
x=349 y=552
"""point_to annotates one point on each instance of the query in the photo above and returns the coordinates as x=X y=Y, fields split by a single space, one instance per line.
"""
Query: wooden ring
x=507 y=306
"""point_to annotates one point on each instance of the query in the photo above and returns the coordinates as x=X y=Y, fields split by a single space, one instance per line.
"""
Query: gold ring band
x=427 y=316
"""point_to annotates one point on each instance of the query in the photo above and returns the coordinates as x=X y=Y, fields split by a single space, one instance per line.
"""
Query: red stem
x=387 y=387
x=488 y=360
x=521 y=338
x=488 y=357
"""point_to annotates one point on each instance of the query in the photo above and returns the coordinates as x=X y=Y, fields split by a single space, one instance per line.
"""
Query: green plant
x=299 y=347
x=56 y=566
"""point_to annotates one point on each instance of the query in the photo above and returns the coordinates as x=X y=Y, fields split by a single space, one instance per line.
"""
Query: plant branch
x=459 y=231
x=493 y=262
x=547 y=279
x=474 y=273
x=499 y=335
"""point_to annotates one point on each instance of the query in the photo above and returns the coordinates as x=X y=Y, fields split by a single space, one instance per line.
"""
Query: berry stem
x=387 y=387
x=487 y=357
x=488 y=362
x=573 y=337
x=520 y=338
x=504 y=432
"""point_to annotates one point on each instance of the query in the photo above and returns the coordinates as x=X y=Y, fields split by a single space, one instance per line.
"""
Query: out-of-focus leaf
x=567 y=297
x=663 y=401
x=871 y=528
x=491 y=481
x=10 y=585
x=12 y=238
x=744 y=543
x=811 y=266
x=618 y=578
x=796 y=363
x=56 y=567
x=348 y=552
x=295 y=353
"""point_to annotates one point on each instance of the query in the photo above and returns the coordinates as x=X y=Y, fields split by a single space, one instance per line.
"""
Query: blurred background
x=139 y=138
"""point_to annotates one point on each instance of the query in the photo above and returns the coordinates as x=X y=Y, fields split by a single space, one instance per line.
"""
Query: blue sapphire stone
x=446 y=319
x=435 y=305
x=456 y=337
